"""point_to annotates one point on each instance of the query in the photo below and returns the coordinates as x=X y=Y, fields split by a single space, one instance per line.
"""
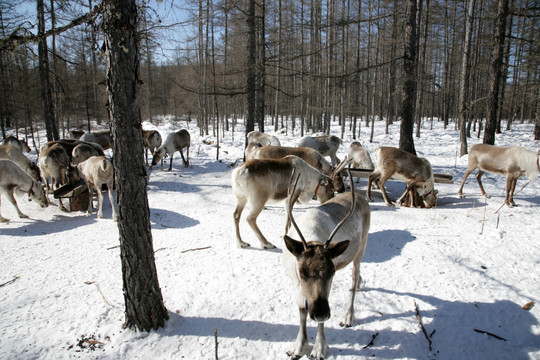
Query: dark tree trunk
x=496 y=73
x=143 y=300
x=44 y=80
x=251 y=84
x=406 y=141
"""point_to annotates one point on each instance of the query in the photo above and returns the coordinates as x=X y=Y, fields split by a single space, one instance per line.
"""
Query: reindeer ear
x=294 y=246
x=338 y=248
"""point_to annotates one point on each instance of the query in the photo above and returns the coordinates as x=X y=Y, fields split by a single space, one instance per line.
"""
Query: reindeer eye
x=304 y=273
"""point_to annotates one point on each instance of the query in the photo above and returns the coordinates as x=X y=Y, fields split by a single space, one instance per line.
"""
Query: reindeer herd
x=326 y=238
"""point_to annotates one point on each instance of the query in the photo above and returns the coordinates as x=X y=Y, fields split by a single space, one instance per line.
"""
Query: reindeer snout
x=320 y=310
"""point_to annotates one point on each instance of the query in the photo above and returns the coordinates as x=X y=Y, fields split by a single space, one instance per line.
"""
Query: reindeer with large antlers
x=336 y=234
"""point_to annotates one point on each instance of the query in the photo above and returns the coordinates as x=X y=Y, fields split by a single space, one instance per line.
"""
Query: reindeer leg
x=113 y=201
x=99 y=195
x=301 y=346
x=467 y=173
x=2 y=219
x=408 y=190
x=91 y=192
x=183 y=158
x=511 y=182
x=382 y=182
x=170 y=164
x=12 y=200
x=252 y=221
x=479 y=179
x=320 y=347
x=373 y=177
x=348 y=319
x=240 y=204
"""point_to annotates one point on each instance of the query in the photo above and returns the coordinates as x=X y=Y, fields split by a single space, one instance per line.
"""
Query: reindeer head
x=158 y=155
x=37 y=194
x=315 y=264
x=428 y=194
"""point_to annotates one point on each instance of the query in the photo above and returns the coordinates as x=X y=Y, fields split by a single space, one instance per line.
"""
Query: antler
x=290 y=204
x=353 y=205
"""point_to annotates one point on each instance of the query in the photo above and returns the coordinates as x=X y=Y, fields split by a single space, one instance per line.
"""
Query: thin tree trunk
x=496 y=73
x=251 y=85
x=143 y=300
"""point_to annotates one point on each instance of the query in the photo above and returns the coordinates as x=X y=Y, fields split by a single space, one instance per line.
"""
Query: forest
x=307 y=62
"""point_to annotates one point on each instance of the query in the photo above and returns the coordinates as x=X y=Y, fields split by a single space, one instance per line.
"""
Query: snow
x=465 y=266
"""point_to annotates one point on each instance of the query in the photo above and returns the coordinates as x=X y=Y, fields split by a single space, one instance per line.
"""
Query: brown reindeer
x=401 y=165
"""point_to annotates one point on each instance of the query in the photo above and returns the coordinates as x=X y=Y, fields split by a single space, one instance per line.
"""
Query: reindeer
x=358 y=157
x=513 y=161
x=309 y=155
x=259 y=181
x=173 y=143
x=81 y=152
x=15 y=154
x=401 y=165
x=332 y=235
x=262 y=139
x=151 y=141
x=69 y=146
x=102 y=138
x=12 y=178
x=20 y=144
x=74 y=134
x=54 y=164
x=327 y=145
x=97 y=171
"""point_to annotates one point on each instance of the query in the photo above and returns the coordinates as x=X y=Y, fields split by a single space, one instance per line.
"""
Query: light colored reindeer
x=401 y=165
x=13 y=141
x=173 y=143
x=262 y=139
x=327 y=145
x=12 y=178
x=16 y=155
x=97 y=171
x=259 y=181
x=102 y=138
x=151 y=141
x=358 y=158
x=513 y=161
x=309 y=155
x=331 y=236
x=83 y=151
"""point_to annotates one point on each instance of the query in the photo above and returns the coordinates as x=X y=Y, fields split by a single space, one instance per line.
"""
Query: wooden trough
x=438 y=178
x=77 y=193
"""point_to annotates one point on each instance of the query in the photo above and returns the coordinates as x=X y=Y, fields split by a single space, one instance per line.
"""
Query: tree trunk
x=251 y=84
x=464 y=81
x=496 y=73
x=406 y=141
x=143 y=300
x=44 y=80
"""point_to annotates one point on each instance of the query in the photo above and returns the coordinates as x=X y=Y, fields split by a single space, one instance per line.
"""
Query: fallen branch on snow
x=10 y=281
x=202 y=248
x=422 y=325
x=490 y=334
x=371 y=342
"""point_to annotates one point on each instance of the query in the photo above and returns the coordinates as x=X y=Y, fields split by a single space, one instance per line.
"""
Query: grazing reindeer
x=309 y=155
x=20 y=144
x=70 y=144
x=54 y=164
x=12 y=178
x=401 y=165
x=81 y=152
x=327 y=145
x=335 y=235
x=151 y=141
x=14 y=154
x=102 y=138
x=173 y=143
x=259 y=181
x=97 y=171
x=513 y=161
x=262 y=139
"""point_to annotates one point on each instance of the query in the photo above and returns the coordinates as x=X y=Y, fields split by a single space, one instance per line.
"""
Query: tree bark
x=406 y=141
x=251 y=85
x=143 y=300
x=496 y=73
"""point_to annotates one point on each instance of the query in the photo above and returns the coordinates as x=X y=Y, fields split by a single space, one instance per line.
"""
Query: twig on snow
x=490 y=334
x=10 y=281
x=422 y=325
x=101 y=292
x=484 y=217
x=202 y=248
x=216 y=342
x=371 y=342
x=113 y=247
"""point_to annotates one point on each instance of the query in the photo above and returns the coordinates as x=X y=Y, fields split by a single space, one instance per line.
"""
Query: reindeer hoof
x=3 y=220
x=269 y=246
x=23 y=216
x=244 y=245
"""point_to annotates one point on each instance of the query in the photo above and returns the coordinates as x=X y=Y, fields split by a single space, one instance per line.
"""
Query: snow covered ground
x=465 y=266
